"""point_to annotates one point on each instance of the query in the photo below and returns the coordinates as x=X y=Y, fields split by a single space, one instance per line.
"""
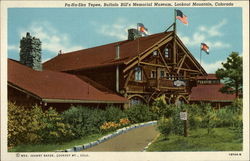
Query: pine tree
x=231 y=74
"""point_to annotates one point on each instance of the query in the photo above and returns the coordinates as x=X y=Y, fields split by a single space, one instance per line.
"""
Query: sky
x=70 y=29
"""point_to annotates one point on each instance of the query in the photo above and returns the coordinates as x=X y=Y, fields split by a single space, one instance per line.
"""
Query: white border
x=215 y=156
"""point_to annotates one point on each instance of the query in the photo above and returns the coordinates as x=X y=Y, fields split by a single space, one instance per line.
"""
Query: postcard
x=124 y=80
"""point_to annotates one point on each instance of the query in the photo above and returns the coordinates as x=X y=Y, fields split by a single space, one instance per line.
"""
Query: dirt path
x=134 y=140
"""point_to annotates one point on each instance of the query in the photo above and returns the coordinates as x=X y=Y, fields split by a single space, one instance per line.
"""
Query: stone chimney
x=30 y=53
x=133 y=34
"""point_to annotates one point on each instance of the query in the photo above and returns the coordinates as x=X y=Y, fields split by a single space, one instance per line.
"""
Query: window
x=162 y=73
x=166 y=52
x=153 y=74
x=136 y=101
x=138 y=74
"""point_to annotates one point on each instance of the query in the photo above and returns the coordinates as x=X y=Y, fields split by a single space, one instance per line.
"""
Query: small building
x=208 y=91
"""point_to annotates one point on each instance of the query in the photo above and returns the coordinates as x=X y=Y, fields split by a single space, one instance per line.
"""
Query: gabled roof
x=103 y=55
x=210 y=92
x=51 y=86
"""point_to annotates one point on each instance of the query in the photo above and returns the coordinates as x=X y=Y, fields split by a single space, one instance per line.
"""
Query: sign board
x=183 y=115
x=179 y=83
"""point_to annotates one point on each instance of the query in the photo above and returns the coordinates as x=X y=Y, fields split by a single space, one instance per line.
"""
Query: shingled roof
x=51 y=86
x=208 y=76
x=210 y=92
x=103 y=55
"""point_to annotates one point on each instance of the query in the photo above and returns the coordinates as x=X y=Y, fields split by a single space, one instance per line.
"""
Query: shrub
x=165 y=126
x=236 y=107
x=114 y=114
x=31 y=125
x=24 y=124
x=139 y=113
x=55 y=130
x=177 y=122
x=83 y=120
x=209 y=118
x=161 y=109
x=194 y=115
x=224 y=118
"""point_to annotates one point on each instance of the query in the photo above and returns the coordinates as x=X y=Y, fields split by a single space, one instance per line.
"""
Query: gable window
x=162 y=73
x=166 y=52
x=138 y=74
x=153 y=74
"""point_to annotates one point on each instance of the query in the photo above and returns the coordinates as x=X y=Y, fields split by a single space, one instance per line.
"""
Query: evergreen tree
x=231 y=74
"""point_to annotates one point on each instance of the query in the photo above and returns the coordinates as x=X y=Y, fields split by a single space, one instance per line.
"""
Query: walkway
x=134 y=140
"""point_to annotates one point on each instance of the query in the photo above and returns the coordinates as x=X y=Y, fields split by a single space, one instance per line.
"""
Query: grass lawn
x=222 y=139
x=54 y=147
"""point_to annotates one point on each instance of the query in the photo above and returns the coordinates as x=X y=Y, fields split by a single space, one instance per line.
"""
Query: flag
x=205 y=48
x=141 y=28
x=180 y=16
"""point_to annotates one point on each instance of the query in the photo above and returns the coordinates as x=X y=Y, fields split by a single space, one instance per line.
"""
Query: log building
x=140 y=68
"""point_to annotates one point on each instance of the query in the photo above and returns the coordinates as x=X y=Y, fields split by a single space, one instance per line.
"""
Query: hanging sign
x=179 y=83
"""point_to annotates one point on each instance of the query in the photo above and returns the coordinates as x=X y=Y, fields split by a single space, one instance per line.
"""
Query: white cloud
x=213 y=30
x=118 y=30
x=211 y=67
x=13 y=48
x=204 y=34
x=52 y=40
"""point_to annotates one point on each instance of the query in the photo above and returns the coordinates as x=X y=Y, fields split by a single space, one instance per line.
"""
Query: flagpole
x=138 y=46
x=174 y=21
x=200 y=55
x=174 y=39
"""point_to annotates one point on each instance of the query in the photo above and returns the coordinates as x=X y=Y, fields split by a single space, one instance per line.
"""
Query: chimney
x=133 y=34
x=30 y=52
x=117 y=68
x=117 y=52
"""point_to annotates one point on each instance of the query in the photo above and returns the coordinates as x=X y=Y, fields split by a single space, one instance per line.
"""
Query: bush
x=177 y=122
x=165 y=126
x=224 y=118
x=31 y=125
x=139 y=113
x=24 y=124
x=236 y=107
x=209 y=117
x=194 y=115
x=55 y=130
x=114 y=114
x=161 y=109
x=83 y=120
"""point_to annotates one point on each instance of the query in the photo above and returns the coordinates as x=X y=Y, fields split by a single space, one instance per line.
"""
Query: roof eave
x=48 y=100
x=212 y=100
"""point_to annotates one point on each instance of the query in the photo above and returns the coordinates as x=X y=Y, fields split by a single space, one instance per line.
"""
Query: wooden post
x=183 y=116
x=185 y=128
